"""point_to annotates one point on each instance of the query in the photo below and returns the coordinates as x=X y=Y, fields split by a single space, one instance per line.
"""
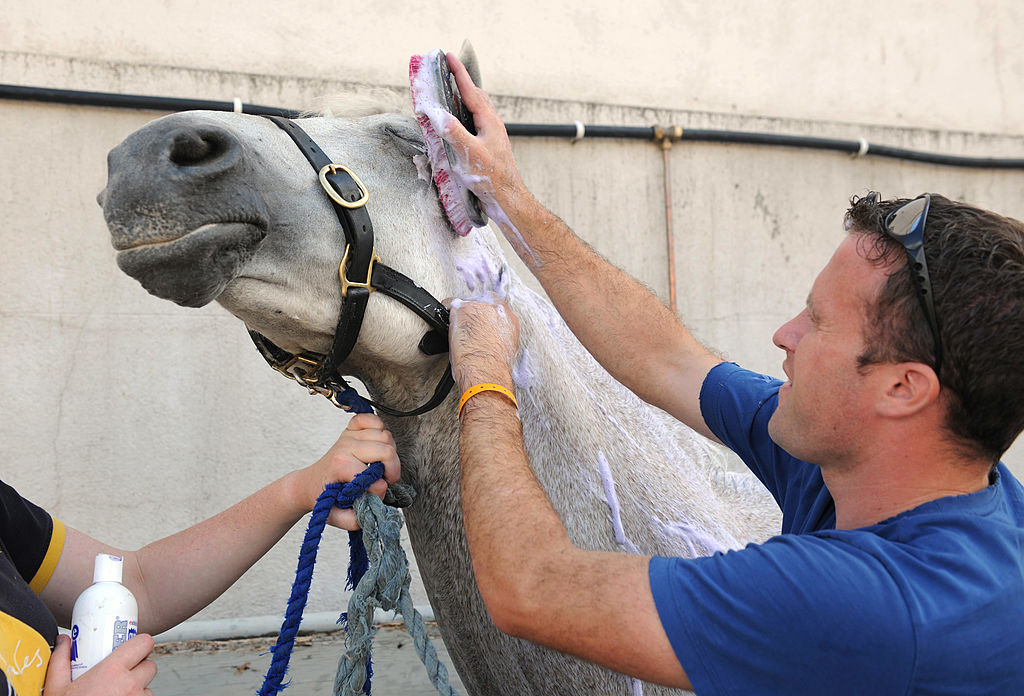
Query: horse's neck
x=559 y=379
x=587 y=437
x=560 y=382
x=595 y=447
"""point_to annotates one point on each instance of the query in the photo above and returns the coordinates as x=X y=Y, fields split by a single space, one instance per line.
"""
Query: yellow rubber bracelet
x=474 y=390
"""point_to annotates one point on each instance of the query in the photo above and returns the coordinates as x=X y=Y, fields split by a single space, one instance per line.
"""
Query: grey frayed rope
x=385 y=584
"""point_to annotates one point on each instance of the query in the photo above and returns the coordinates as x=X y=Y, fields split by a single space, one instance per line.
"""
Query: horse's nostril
x=190 y=147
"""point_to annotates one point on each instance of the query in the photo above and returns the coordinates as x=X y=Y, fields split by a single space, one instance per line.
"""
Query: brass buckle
x=346 y=283
x=335 y=196
x=301 y=375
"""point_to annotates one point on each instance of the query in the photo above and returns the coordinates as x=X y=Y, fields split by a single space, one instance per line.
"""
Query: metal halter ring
x=304 y=367
x=335 y=196
x=343 y=270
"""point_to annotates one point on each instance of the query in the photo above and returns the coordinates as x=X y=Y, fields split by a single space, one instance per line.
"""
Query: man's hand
x=363 y=442
x=125 y=672
x=483 y=340
x=487 y=156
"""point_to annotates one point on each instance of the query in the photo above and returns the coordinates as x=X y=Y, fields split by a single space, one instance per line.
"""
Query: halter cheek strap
x=360 y=273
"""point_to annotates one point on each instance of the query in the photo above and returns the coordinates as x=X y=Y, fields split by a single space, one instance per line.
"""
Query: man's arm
x=636 y=338
x=175 y=577
x=535 y=583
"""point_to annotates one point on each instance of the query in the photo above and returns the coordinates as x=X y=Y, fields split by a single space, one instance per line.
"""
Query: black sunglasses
x=906 y=225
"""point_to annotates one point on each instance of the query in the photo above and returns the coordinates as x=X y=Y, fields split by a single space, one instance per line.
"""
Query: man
x=900 y=568
x=45 y=565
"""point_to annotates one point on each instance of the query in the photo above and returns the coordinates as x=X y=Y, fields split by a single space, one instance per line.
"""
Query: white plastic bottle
x=105 y=615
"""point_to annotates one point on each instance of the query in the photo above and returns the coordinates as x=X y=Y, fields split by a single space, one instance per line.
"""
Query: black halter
x=360 y=273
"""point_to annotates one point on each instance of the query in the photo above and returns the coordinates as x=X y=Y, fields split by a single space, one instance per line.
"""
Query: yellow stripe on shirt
x=24 y=656
x=49 y=563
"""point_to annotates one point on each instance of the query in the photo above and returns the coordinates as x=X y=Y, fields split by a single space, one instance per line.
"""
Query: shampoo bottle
x=105 y=615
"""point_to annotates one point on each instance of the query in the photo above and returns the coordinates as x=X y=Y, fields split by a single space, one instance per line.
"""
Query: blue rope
x=335 y=494
x=387 y=586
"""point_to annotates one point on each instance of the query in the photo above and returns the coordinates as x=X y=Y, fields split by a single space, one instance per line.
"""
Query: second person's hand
x=363 y=442
x=127 y=671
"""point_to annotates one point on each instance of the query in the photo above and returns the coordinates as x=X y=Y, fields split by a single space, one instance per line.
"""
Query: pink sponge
x=428 y=105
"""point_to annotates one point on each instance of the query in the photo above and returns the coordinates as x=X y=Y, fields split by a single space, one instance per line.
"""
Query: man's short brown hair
x=976 y=264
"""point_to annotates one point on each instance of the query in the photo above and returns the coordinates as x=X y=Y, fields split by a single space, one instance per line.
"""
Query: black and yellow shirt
x=30 y=545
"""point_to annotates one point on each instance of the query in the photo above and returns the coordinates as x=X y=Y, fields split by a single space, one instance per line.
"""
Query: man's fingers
x=459 y=70
x=473 y=96
x=476 y=100
x=343 y=519
x=133 y=656
x=127 y=670
x=368 y=435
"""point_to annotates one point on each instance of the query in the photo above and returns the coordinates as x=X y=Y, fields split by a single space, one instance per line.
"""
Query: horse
x=210 y=206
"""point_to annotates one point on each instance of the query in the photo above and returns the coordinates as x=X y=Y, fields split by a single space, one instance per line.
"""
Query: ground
x=234 y=667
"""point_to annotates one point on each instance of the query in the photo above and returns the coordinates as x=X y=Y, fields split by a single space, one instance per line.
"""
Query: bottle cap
x=107 y=568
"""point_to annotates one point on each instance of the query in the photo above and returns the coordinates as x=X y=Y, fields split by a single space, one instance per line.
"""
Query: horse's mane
x=366 y=102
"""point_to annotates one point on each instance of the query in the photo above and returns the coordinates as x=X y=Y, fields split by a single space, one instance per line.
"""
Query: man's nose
x=789 y=334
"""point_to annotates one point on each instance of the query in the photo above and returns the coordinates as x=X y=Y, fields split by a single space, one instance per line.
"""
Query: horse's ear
x=407 y=136
x=468 y=57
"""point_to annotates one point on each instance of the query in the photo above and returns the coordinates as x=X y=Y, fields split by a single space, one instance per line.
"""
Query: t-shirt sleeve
x=33 y=539
x=795 y=615
x=737 y=405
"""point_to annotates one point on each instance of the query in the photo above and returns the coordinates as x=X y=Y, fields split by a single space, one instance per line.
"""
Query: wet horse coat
x=208 y=206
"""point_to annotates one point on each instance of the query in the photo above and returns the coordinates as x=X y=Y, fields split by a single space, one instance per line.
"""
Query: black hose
x=852 y=147
x=570 y=131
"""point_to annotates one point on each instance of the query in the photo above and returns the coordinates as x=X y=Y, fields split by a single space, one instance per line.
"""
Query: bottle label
x=92 y=643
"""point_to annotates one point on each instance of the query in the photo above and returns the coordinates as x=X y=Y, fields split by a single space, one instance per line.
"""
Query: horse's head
x=206 y=206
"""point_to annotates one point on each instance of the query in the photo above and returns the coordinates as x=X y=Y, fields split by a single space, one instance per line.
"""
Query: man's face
x=823 y=405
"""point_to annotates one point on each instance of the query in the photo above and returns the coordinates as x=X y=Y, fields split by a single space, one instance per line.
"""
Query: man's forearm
x=536 y=584
x=626 y=327
x=511 y=527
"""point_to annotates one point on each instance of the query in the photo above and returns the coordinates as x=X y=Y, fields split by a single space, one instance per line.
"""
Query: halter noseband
x=360 y=273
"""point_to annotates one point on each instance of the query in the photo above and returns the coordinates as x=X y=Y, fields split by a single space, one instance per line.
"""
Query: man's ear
x=909 y=387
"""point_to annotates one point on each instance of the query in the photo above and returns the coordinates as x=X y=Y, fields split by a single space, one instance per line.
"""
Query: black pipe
x=853 y=147
x=133 y=101
x=570 y=131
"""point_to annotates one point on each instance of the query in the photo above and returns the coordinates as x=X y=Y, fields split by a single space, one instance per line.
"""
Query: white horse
x=207 y=206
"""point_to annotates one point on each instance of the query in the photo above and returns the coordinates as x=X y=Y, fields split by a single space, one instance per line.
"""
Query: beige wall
x=130 y=417
x=914 y=63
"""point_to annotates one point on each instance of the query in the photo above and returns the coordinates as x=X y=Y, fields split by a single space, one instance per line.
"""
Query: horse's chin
x=193 y=269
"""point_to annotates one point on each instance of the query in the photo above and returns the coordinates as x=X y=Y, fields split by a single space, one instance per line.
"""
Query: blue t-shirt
x=930 y=601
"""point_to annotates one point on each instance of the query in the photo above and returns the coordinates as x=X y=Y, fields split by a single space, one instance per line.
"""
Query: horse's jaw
x=288 y=316
x=193 y=269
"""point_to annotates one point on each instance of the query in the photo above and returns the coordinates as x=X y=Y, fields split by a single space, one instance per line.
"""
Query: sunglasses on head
x=906 y=225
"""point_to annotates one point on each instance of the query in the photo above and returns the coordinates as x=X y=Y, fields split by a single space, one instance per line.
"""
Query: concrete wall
x=131 y=418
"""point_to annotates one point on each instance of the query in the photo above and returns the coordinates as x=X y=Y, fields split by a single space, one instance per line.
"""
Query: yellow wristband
x=473 y=391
